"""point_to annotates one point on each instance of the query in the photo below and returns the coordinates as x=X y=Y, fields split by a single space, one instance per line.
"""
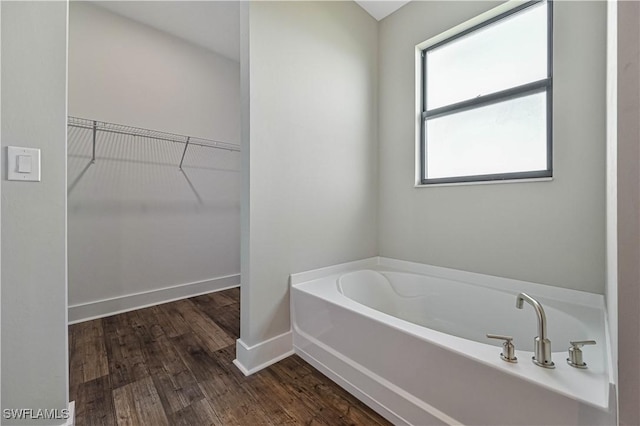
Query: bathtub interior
x=470 y=311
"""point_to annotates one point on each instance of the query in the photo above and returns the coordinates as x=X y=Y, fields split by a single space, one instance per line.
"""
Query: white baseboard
x=115 y=305
x=71 y=421
x=250 y=359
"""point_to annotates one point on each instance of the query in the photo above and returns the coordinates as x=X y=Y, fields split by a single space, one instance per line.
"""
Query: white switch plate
x=14 y=155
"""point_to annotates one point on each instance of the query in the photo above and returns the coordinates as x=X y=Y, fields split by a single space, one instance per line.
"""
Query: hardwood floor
x=171 y=365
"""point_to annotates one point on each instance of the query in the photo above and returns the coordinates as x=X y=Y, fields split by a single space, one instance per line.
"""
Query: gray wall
x=136 y=223
x=546 y=232
x=312 y=160
x=629 y=212
x=34 y=281
x=126 y=72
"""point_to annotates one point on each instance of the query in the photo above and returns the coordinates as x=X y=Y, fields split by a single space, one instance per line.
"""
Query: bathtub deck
x=171 y=365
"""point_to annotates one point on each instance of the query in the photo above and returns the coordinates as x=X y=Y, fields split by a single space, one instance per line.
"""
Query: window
x=486 y=100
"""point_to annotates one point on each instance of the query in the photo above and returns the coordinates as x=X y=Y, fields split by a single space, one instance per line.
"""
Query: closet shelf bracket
x=93 y=149
x=186 y=145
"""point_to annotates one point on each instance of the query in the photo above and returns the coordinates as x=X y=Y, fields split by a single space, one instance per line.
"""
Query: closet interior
x=153 y=173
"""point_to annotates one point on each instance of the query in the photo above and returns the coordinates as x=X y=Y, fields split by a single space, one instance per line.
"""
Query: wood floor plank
x=198 y=413
x=196 y=357
x=138 y=403
x=124 y=351
x=215 y=300
x=176 y=385
x=281 y=407
x=186 y=417
x=76 y=374
x=143 y=324
x=226 y=317
x=319 y=411
x=177 y=391
x=161 y=357
x=204 y=327
x=172 y=365
x=233 y=293
x=256 y=388
x=329 y=402
x=93 y=403
x=280 y=404
x=233 y=404
x=125 y=407
x=336 y=397
x=95 y=362
x=87 y=352
x=171 y=323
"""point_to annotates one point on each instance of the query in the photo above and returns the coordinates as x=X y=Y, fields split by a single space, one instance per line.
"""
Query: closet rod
x=103 y=126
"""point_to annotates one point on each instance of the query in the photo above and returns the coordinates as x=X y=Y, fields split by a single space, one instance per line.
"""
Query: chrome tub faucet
x=542 y=345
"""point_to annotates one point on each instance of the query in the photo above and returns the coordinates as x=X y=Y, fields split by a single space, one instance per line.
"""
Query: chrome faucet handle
x=508 y=350
x=580 y=343
x=575 y=353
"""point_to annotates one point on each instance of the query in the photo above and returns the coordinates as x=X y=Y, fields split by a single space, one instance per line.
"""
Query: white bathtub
x=409 y=341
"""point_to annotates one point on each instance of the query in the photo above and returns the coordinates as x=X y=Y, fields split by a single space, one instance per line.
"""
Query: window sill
x=484 y=182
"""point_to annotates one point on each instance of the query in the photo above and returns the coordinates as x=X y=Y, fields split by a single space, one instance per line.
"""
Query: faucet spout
x=542 y=345
x=542 y=318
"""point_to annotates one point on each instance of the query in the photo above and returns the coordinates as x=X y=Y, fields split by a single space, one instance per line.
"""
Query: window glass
x=504 y=137
x=505 y=54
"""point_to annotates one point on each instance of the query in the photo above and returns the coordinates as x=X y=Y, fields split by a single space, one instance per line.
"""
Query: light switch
x=23 y=164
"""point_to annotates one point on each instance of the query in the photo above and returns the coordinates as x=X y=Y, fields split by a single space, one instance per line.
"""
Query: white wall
x=34 y=276
x=136 y=223
x=0 y=212
x=611 y=285
x=125 y=72
x=628 y=212
x=546 y=232
x=311 y=166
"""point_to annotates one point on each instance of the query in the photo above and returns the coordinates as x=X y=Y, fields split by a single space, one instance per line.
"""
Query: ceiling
x=380 y=9
x=213 y=25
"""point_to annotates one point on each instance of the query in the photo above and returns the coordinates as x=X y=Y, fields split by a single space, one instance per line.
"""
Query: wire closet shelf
x=103 y=126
